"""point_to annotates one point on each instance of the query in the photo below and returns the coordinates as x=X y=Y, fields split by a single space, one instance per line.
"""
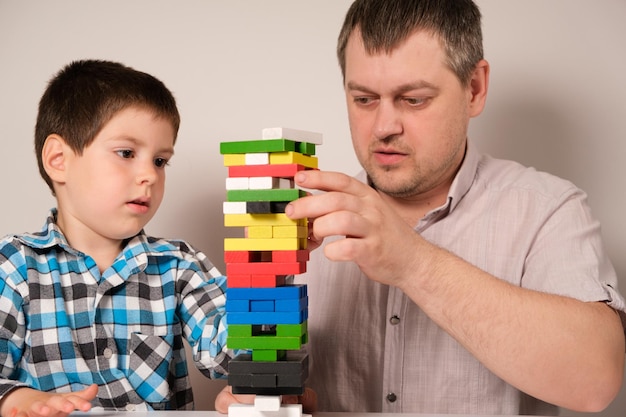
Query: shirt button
x=107 y=353
x=391 y=397
x=130 y=407
x=394 y=320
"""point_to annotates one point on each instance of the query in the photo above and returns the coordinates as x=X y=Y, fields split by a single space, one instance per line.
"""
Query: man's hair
x=385 y=24
x=85 y=95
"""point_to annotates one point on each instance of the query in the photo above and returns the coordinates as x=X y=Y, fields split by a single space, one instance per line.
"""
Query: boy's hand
x=226 y=397
x=27 y=402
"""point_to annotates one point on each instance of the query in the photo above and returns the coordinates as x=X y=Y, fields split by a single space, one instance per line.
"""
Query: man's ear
x=54 y=156
x=479 y=85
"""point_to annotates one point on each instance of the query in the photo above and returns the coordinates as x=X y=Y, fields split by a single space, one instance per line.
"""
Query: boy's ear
x=53 y=157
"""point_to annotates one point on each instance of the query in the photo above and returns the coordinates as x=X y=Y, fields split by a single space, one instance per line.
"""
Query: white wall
x=556 y=100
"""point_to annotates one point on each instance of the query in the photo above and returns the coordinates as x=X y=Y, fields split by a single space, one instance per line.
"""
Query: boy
x=92 y=310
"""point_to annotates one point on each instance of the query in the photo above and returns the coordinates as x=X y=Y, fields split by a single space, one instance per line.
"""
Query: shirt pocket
x=149 y=364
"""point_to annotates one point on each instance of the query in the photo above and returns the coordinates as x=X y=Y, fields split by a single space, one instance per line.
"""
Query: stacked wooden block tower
x=266 y=313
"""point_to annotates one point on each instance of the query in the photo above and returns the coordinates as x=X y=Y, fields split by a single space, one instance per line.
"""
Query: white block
x=234 y=207
x=249 y=410
x=237 y=183
x=261 y=158
x=292 y=134
x=267 y=402
x=269 y=183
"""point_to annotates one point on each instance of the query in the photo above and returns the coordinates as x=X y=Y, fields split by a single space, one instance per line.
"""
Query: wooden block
x=275 y=268
x=293 y=158
x=276 y=170
x=261 y=232
x=264 y=195
x=261 y=145
x=267 y=281
x=269 y=219
x=290 y=231
x=234 y=160
x=290 y=256
x=268 y=318
x=237 y=183
x=268 y=183
x=239 y=244
x=261 y=207
x=235 y=207
x=293 y=134
x=264 y=342
x=262 y=158
x=238 y=281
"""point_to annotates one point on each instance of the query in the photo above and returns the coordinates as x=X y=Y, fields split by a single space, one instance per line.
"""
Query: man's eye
x=362 y=100
x=414 y=101
x=125 y=153
x=161 y=162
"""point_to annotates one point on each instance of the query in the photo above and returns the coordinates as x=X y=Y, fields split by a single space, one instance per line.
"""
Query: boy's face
x=114 y=188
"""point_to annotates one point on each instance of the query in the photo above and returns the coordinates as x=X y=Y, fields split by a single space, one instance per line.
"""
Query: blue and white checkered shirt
x=64 y=325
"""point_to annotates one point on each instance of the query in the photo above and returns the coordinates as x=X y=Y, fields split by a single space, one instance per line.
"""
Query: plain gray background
x=556 y=98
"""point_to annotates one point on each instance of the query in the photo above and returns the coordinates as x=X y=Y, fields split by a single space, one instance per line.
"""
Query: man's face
x=408 y=115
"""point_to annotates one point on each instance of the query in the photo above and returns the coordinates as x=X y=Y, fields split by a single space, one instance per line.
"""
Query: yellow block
x=290 y=231
x=233 y=159
x=293 y=158
x=261 y=232
x=268 y=219
x=237 y=244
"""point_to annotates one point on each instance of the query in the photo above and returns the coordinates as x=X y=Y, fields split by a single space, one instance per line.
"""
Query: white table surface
x=216 y=414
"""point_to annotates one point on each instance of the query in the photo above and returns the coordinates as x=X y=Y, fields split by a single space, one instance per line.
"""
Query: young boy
x=93 y=311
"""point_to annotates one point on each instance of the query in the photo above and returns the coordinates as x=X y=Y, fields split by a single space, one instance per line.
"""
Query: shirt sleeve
x=569 y=258
x=12 y=329
x=202 y=308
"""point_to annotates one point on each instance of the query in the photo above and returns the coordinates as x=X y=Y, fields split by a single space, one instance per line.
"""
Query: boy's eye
x=160 y=162
x=125 y=153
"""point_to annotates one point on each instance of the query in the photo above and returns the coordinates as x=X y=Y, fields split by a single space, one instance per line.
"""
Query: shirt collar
x=465 y=176
x=51 y=235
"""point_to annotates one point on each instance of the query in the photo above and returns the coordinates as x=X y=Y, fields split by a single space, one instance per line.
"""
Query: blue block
x=292 y=305
x=268 y=318
x=261 y=306
x=272 y=293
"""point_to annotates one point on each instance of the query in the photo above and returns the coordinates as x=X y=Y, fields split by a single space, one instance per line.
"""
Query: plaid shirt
x=64 y=325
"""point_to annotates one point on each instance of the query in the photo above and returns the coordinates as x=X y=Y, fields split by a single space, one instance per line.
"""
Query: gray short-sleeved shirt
x=373 y=349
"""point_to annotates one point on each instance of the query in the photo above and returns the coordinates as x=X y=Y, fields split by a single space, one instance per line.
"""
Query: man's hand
x=377 y=238
x=226 y=397
x=27 y=402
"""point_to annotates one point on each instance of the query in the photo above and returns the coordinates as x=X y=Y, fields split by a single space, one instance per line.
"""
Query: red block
x=267 y=281
x=247 y=256
x=264 y=268
x=238 y=281
x=273 y=170
x=290 y=255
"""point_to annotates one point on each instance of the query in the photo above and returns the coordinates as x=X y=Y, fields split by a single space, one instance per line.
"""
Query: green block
x=305 y=148
x=240 y=330
x=286 y=330
x=262 y=355
x=265 y=342
x=256 y=146
x=278 y=194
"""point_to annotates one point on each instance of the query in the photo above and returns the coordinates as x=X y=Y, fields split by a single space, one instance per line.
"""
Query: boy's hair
x=384 y=24
x=85 y=95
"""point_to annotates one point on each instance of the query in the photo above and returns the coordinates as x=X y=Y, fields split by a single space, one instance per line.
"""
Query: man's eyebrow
x=403 y=88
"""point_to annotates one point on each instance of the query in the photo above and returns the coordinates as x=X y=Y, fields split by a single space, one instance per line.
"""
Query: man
x=448 y=282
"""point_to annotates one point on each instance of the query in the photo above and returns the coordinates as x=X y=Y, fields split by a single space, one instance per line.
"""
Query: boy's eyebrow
x=168 y=149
